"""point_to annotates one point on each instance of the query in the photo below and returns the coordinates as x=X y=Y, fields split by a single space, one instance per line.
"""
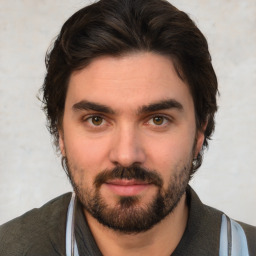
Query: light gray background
x=30 y=171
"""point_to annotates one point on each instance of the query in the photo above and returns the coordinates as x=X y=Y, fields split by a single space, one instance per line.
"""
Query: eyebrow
x=153 y=107
x=162 y=105
x=86 y=105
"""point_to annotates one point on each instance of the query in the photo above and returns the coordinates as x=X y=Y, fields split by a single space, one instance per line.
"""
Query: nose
x=127 y=147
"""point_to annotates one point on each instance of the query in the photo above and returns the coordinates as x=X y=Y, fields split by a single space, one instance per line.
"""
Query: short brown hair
x=117 y=27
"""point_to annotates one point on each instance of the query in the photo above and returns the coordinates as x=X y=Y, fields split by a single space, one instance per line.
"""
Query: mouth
x=125 y=187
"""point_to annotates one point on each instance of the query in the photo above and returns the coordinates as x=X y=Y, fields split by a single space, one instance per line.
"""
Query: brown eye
x=96 y=120
x=158 y=120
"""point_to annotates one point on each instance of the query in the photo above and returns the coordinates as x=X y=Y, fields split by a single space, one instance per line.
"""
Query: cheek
x=170 y=153
x=86 y=154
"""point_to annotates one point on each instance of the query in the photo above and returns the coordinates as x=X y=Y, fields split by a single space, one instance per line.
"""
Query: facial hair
x=128 y=215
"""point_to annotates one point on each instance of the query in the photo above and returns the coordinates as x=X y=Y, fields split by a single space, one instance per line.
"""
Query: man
x=130 y=97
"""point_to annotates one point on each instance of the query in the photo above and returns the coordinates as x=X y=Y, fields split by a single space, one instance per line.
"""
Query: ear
x=61 y=142
x=200 y=139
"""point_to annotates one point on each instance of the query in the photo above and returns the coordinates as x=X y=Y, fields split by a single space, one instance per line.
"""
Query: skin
x=161 y=140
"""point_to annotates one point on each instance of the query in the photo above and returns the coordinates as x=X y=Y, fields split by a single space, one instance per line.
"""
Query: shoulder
x=207 y=223
x=250 y=232
x=19 y=235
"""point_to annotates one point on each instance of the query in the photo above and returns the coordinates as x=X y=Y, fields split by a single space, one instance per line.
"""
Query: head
x=114 y=35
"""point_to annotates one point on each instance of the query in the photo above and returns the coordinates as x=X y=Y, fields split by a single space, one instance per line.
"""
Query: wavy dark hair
x=118 y=27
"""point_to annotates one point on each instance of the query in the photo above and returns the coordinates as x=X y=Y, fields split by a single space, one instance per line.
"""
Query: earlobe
x=200 y=140
x=61 y=143
x=199 y=144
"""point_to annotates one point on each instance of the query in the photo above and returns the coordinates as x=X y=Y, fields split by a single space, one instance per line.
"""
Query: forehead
x=128 y=81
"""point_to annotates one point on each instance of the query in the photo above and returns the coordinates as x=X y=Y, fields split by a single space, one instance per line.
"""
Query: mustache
x=132 y=172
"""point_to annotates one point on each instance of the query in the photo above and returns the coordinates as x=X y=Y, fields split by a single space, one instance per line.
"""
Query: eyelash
x=166 y=121
x=87 y=119
x=164 y=126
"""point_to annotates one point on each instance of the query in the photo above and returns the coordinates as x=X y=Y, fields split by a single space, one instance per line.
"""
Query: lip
x=124 y=187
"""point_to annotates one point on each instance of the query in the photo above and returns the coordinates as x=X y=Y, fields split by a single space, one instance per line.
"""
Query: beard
x=129 y=215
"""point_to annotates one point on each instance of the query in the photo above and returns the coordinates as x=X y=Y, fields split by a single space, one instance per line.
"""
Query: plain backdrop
x=30 y=170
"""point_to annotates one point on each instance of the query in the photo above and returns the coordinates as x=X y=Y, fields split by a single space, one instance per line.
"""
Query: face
x=129 y=137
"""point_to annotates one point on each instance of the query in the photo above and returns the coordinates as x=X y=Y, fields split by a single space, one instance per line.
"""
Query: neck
x=162 y=239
